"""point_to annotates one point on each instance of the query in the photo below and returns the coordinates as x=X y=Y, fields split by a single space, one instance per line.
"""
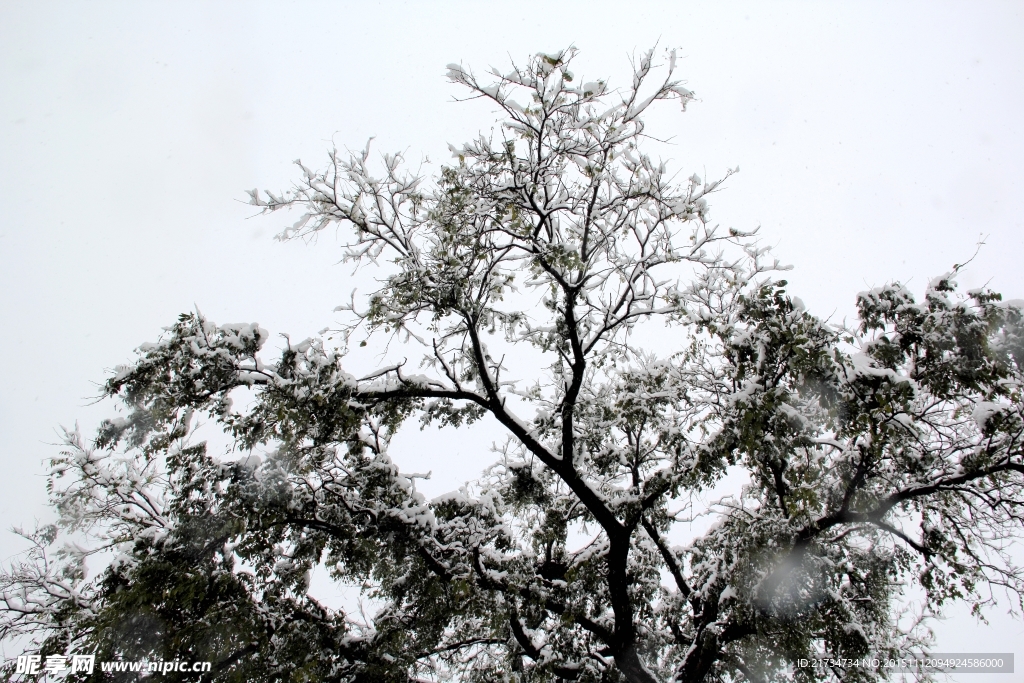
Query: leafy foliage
x=874 y=457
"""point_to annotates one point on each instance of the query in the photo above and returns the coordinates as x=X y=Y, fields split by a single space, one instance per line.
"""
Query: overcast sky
x=876 y=142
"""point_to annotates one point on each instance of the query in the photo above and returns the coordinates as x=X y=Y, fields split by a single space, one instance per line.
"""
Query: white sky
x=876 y=141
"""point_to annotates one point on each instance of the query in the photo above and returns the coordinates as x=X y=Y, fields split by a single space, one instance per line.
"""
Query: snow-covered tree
x=534 y=284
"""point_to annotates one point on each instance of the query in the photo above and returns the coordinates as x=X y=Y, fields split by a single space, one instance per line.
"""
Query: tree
x=526 y=274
